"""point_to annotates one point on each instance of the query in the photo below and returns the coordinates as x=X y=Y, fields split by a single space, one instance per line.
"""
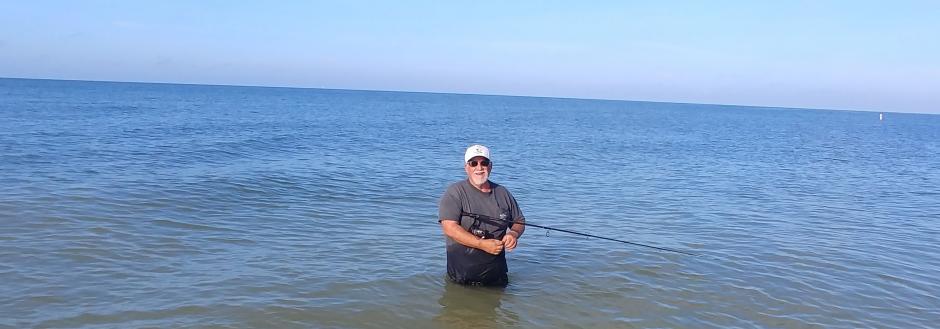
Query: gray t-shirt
x=471 y=265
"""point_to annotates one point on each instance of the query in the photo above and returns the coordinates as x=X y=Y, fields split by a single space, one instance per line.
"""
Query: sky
x=852 y=55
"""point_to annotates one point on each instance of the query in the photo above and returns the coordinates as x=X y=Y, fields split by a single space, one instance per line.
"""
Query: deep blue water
x=133 y=205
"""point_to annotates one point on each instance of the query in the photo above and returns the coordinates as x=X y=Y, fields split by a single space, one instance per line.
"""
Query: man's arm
x=456 y=232
x=518 y=229
x=512 y=236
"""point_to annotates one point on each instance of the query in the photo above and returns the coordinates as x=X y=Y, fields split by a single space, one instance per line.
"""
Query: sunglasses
x=473 y=163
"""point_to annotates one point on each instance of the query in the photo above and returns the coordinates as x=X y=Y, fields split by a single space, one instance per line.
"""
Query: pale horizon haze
x=845 y=55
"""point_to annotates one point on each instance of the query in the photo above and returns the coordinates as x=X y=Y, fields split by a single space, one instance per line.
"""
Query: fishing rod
x=501 y=222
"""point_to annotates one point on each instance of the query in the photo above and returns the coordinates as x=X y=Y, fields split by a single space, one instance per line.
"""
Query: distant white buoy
x=881 y=117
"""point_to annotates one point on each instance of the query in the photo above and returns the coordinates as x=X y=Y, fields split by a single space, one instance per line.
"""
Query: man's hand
x=509 y=241
x=491 y=246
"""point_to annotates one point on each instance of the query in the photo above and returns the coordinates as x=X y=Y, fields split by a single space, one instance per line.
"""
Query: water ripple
x=137 y=205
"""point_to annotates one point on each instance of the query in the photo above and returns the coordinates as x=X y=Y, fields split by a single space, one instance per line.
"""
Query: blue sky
x=857 y=55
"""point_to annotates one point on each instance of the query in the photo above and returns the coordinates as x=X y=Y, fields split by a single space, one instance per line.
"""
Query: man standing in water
x=476 y=249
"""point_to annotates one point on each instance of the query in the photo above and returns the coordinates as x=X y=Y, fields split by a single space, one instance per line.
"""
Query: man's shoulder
x=455 y=186
x=499 y=190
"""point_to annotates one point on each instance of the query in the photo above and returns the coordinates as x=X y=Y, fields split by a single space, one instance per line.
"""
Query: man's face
x=478 y=170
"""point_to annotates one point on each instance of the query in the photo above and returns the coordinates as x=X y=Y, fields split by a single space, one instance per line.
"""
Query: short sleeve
x=517 y=215
x=449 y=207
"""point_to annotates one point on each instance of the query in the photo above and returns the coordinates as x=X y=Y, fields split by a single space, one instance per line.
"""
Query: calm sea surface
x=146 y=205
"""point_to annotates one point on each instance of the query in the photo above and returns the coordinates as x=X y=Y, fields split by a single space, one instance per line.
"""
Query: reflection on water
x=473 y=307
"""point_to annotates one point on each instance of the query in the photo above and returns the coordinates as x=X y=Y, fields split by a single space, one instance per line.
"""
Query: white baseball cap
x=476 y=151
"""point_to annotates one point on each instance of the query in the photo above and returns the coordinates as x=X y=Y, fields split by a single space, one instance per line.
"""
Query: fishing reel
x=475 y=227
x=482 y=234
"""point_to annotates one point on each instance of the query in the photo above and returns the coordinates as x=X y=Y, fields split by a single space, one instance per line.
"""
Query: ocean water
x=128 y=205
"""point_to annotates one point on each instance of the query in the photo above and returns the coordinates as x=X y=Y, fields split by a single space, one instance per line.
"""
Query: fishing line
x=500 y=222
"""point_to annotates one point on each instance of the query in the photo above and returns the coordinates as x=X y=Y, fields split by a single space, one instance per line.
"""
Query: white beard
x=479 y=180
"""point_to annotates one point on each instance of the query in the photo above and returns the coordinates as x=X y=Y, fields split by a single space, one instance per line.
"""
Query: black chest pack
x=486 y=232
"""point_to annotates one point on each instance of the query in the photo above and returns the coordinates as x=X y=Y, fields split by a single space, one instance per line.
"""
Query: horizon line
x=466 y=94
